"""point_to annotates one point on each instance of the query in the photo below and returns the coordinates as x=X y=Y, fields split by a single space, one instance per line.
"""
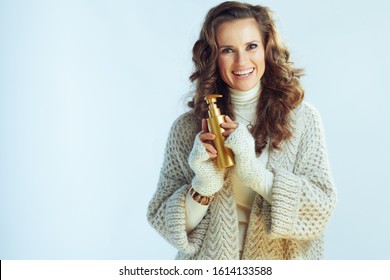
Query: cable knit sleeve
x=166 y=211
x=303 y=198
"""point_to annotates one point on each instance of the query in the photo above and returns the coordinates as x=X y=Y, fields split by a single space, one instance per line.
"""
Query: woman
x=276 y=201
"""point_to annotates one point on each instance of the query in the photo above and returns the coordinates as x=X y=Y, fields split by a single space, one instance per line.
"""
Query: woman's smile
x=243 y=73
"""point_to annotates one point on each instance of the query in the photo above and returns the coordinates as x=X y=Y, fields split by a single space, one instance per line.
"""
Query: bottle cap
x=212 y=98
x=211 y=101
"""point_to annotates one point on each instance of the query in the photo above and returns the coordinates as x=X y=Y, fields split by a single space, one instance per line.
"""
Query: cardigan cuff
x=286 y=193
x=176 y=224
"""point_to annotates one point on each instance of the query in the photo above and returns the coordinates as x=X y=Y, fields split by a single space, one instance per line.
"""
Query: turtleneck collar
x=245 y=98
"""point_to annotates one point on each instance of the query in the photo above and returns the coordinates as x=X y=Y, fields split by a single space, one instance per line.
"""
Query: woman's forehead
x=238 y=31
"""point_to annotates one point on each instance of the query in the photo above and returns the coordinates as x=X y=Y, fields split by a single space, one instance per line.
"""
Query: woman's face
x=241 y=61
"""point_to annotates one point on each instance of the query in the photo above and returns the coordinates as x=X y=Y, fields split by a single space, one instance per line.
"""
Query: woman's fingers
x=206 y=137
x=206 y=141
x=210 y=150
x=205 y=127
x=226 y=133
x=229 y=126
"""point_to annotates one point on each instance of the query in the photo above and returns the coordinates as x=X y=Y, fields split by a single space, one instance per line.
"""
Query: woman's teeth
x=243 y=72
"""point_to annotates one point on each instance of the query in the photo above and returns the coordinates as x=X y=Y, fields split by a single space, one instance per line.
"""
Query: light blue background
x=89 y=90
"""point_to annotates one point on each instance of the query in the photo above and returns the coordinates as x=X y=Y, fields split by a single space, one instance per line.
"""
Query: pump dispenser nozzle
x=225 y=156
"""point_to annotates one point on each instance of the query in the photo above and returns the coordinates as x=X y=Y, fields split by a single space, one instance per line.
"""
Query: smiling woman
x=241 y=53
x=276 y=202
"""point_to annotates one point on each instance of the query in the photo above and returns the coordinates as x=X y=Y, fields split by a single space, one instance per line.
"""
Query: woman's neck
x=245 y=99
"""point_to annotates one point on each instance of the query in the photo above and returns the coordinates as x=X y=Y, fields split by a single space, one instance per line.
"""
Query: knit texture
x=208 y=177
x=249 y=169
x=303 y=198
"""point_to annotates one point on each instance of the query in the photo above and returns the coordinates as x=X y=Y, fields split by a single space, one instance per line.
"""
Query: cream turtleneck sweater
x=244 y=105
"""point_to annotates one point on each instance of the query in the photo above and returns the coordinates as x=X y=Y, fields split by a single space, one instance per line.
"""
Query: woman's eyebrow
x=231 y=46
x=225 y=46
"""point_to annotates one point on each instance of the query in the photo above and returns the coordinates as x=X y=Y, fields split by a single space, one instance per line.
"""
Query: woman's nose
x=241 y=58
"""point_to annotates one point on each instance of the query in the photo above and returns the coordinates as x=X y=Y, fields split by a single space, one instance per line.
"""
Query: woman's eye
x=252 y=46
x=227 y=50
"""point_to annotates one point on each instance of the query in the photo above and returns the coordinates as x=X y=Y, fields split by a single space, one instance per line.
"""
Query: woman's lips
x=243 y=73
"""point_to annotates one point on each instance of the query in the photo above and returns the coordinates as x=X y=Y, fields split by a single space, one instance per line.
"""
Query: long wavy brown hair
x=281 y=89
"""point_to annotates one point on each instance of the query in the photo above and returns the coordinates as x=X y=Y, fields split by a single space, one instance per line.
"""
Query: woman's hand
x=229 y=125
x=249 y=169
x=207 y=137
x=208 y=177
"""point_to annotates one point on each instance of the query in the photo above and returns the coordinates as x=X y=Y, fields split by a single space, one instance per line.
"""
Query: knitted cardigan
x=303 y=198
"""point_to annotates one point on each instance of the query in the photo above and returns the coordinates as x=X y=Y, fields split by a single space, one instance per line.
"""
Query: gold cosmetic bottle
x=225 y=157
